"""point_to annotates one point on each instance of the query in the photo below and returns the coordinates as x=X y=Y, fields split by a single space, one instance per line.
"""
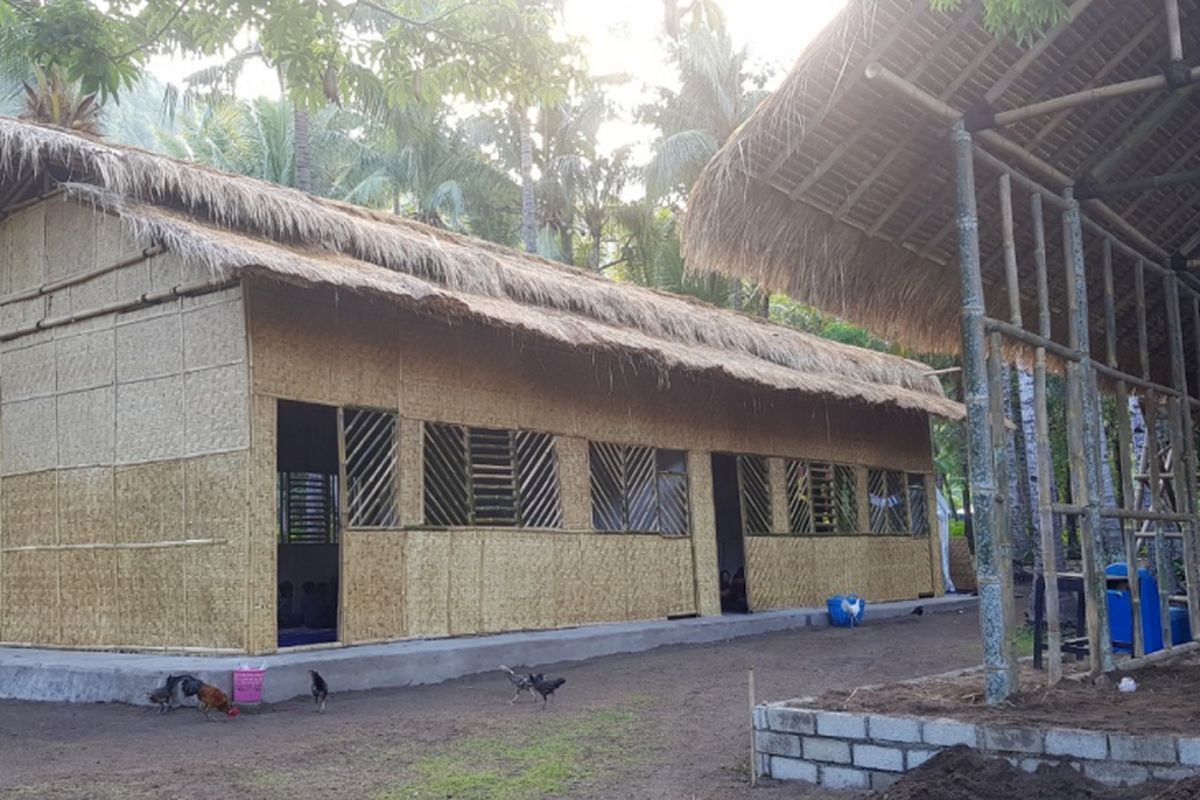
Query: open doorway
x=731 y=556
x=306 y=462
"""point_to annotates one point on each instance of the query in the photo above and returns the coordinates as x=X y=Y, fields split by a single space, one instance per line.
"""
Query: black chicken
x=165 y=694
x=521 y=683
x=320 y=690
x=546 y=688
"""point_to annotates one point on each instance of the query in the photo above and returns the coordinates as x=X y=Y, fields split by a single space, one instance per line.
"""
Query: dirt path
x=671 y=723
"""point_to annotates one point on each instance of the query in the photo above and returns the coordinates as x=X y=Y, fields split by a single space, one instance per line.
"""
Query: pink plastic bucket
x=248 y=685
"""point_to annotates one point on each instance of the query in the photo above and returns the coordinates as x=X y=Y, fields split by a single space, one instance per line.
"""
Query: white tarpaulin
x=943 y=515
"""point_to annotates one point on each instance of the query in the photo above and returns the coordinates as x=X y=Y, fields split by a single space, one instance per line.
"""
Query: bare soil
x=1165 y=701
x=671 y=723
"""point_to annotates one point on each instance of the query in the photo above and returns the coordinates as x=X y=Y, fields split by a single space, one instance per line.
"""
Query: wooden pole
x=1174 y=30
x=753 y=743
x=1087 y=97
x=980 y=458
x=1124 y=455
x=1183 y=447
x=1162 y=566
x=1044 y=468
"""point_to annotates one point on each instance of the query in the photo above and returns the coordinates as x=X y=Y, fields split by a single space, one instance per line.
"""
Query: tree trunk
x=302 y=146
x=528 y=201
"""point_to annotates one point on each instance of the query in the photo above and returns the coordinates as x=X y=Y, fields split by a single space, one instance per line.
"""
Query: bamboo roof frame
x=840 y=192
x=237 y=227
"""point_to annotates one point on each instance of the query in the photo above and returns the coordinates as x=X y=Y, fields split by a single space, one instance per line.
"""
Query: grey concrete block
x=948 y=732
x=777 y=744
x=793 y=769
x=760 y=718
x=872 y=756
x=882 y=781
x=1173 y=773
x=841 y=724
x=1147 y=749
x=915 y=758
x=894 y=729
x=791 y=720
x=829 y=750
x=1012 y=740
x=1080 y=744
x=844 y=778
x=1189 y=751
x=1116 y=773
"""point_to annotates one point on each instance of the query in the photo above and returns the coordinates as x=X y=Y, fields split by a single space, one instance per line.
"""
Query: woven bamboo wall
x=120 y=435
x=399 y=584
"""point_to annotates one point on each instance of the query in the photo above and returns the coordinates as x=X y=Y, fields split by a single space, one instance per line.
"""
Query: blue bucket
x=846 y=610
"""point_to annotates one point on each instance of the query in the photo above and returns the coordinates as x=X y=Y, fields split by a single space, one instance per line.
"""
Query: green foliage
x=1024 y=20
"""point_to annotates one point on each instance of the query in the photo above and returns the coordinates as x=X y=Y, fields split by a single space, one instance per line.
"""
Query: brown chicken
x=211 y=698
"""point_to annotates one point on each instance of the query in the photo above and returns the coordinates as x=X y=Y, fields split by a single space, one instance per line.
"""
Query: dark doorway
x=306 y=463
x=731 y=556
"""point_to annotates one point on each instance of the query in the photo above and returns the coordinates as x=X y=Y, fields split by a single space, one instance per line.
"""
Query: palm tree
x=49 y=97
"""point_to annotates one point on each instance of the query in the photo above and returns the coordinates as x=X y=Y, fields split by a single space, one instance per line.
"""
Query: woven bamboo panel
x=513 y=594
x=293 y=354
x=86 y=510
x=214 y=335
x=466 y=581
x=216 y=508
x=89 y=614
x=85 y=427
x=93 y=293
x=28 y=435
x=71 y=249
x=215 y=409
x=703 y=540
x=375 y=586
x=962 y=565
x=575 y=488
x=27 y=372
x=114 y=242
x=30 y=589
x=150 y=420
x=366 y=371
x=602 y=587
x=262 y=528
x=29 y=509
x=150 y=499
x=675 y=581
x=427 y=583
x=566 y=579
x=26 y=233
x=777 y=571
x=85 y=361
x=150 y=348
x=410 y=474
x=152 y=597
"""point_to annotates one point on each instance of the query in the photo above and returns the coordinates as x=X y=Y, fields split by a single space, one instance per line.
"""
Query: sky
x=624 y=36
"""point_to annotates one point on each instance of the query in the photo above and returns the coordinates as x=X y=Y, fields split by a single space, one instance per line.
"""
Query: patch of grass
x=528 y=765
x=1024 y=640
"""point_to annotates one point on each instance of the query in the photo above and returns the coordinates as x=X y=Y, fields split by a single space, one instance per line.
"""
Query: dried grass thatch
x=229 y=224
x=841 y=193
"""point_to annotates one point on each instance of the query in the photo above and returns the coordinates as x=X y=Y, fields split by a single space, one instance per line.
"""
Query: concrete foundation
x=99 y=677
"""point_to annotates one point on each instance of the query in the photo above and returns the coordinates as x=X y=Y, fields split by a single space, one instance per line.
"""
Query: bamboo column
x=1184 y=449
x=1124 y=458
x=1004 y=510
x=1162 y=566
x=980 y=458
x=1085 y=456
x=1044 y=468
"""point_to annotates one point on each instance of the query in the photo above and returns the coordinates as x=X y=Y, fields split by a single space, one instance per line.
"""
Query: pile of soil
x=1165 y=702
x=961 y=773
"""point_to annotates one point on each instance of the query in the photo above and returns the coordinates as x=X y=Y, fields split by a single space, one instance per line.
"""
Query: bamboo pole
x=83 y=277
x=1124 y=455
x=37 y=548
x=1011 y=274
x=1162 y=566
x=1086 y=455
x=1184 y=450
x=1086 y=98
x=980 y=460
x=1174 y=30
x=753 y=742
x=995 y=368
x=1044 y=467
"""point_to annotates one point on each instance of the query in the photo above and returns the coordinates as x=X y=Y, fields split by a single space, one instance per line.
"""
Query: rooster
x=852 y=609
x=546 y=688
x=213 y=698
x=521 y=683
x=320 y=690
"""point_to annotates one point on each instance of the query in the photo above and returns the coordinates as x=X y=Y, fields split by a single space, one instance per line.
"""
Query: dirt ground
x=671 y=723
x=1165 y=700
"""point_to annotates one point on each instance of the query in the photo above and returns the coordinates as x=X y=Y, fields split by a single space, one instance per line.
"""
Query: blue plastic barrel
x=840 y=616
x=1181 y=628
x=1120 y=612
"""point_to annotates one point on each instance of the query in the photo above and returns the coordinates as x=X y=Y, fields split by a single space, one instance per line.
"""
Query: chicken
x=546 y=688
x=190 y=685
x=213 y=698
x=320 y=690
x=919 y=611
x=165 y=694
x=521 y=683
x=852 y=610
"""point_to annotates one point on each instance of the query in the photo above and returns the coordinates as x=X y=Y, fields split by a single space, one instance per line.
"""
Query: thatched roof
x=841 y=192
x=232 y=224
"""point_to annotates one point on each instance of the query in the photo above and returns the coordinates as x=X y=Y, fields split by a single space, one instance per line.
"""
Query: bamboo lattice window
x=822 y=498
x=370 y=442
x=490 y=476
x=308 y=503
x=918 y=504
x=886 y=497
x=754 y=486
x=639 y=489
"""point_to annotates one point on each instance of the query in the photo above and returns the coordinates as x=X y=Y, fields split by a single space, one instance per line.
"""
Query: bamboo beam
x=1145 y=516
x=1143 y=184
x=1086 y=97
x=170 y=543
x=1174 y=31
x=981 y=459
x=83 y=277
